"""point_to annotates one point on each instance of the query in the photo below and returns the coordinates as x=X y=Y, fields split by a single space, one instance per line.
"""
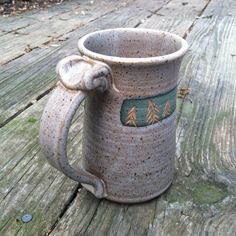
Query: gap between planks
x=65 y=208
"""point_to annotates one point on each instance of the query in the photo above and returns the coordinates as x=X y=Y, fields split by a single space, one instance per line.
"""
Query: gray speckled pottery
x=128 y=77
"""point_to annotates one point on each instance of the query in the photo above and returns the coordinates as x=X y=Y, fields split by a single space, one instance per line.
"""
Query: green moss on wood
x=32 y=120
x=25 y=129
x=205 y=192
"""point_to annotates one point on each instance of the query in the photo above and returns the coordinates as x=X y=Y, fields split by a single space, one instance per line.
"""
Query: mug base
x=139 y=200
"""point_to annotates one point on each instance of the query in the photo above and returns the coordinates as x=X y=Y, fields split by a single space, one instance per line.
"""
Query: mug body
x=129 y=131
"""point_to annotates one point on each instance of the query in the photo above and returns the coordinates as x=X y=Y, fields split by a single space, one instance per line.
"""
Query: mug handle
x=77 y=76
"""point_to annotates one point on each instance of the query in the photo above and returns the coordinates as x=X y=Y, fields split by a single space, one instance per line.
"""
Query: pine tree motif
x=152 y=116
x=166 y=109
x=131 y=119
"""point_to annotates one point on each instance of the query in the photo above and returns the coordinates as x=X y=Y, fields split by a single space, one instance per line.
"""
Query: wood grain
x=207 y=120
x=34 y=35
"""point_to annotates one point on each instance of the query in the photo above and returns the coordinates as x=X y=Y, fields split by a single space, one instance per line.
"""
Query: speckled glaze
x=132 y=68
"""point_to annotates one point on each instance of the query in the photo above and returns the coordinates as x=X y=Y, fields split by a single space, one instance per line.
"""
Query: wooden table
x=202 y=199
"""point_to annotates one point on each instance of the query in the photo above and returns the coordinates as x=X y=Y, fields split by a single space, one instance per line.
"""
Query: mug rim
x=132 y=60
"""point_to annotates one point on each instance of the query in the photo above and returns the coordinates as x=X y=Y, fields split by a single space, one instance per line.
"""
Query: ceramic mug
x=129 y=78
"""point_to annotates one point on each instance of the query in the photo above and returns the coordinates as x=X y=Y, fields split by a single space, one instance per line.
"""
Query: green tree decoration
x=131 y=120
x=152 y=116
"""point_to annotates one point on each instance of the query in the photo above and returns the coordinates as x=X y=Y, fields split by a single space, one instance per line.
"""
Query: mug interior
x=131 y=44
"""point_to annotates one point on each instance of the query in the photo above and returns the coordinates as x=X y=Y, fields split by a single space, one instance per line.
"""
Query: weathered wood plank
x=8 y=24
x=24 y=79
x=202 y=198
x=211 y=116
x=170 y=19
x=27 y=183
x=21 y=41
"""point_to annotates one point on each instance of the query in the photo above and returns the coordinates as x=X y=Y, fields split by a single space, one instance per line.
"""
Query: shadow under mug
x=129 y=78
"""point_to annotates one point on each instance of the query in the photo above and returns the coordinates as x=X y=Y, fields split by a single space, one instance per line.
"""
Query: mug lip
x=132 y=60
